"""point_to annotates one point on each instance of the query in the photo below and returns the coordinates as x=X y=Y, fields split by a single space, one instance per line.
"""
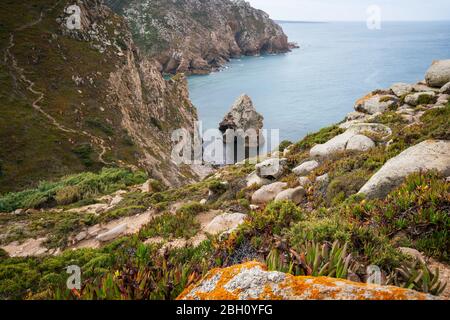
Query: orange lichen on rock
x=364 y=99
x=252 y=281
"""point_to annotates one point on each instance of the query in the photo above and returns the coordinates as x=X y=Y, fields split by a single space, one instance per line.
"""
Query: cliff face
x=77 y=100
x=197 y=36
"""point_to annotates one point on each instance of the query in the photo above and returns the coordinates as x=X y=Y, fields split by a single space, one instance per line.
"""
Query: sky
x=354 y=10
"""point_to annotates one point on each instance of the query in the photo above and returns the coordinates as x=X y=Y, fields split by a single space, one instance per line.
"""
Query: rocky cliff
x=196 y=36
x=81 y=99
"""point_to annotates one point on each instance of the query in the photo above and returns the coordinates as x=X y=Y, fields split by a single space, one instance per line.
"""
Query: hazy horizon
x=354 y=10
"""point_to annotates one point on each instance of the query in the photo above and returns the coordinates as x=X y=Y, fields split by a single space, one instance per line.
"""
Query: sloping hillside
x=77 y=100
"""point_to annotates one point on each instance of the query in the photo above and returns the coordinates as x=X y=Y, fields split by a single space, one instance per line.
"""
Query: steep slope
x=199 y=36
x=77 y=100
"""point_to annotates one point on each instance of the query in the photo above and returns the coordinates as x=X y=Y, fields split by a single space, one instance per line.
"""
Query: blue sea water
x=317 y=85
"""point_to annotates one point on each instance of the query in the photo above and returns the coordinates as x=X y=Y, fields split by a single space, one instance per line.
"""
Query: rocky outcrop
x=354 y=139
x=418 y=98
x=252 y=281
x=426 y=156
x=193 y=36
x=375 y=103
x=244 y=121
x=438 y=74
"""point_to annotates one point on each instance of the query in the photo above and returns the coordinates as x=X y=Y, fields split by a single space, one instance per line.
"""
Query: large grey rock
x=428 y=155
x=360 y=142
x=272 y=168
x=340 y=142
x=439 y=74
x=415 y=99
x=335 y=145
x=253 y=179
x=306 y=167
x=295 y=195
x=227 y=222
x=443 y=99
x=268 y=193
x=401 y=89
x=243 y=116
x=375 y=103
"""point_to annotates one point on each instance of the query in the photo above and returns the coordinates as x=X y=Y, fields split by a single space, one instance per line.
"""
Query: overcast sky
x=354 y=10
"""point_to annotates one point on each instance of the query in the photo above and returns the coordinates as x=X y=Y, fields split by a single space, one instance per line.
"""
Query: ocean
x=317 y=85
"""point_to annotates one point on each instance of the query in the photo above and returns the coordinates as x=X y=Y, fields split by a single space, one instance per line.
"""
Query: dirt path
x=8 y=56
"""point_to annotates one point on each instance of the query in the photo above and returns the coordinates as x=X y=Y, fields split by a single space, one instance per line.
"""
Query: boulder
x=226 y=222
x=418 y=98
x=113 y=233
x=295 y=195
x=272 y=168
x=375 y=103
x=243 y=116
x=340 y=142
x=268 y=193
x=426 y=156
x=445 y=89
x=360 y=142
x=439 y=74
x=336 y=144
x=252 y=281
x=401 y=89
x=306 y=168
x=254 y=179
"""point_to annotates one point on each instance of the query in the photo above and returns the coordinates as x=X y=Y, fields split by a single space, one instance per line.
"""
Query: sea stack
x=244 y=119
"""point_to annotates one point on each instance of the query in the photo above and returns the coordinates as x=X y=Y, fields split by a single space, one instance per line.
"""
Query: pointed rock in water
x=426 y=156
x=243 y=116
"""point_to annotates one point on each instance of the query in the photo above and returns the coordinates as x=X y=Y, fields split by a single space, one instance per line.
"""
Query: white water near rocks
x=317 y=85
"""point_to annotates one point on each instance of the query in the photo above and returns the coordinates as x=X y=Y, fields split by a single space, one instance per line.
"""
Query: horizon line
x=343 y=21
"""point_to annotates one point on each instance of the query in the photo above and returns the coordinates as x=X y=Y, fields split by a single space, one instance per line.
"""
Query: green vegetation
x=71 y=189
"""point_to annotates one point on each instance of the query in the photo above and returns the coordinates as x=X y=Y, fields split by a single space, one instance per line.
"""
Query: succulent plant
x=313 y=259
x=417 y=276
